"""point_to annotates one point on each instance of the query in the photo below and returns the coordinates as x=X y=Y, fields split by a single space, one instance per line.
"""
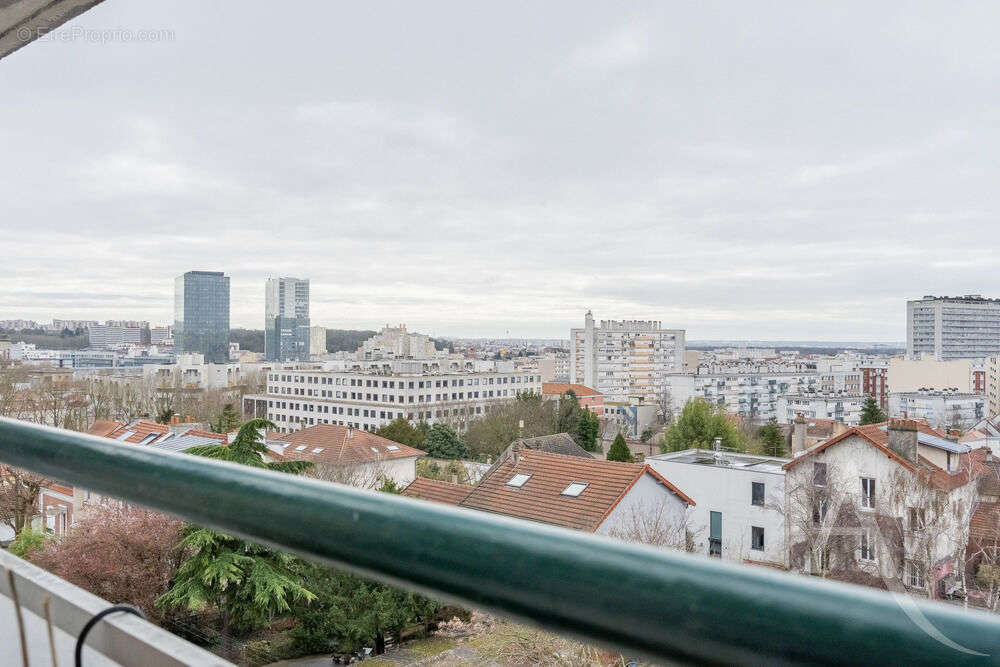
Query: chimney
x=454 y=477
x=800 y=429
x=350 y=432
x=175 y=419
x=903 y=438
x=515 y=452
x=838 y=428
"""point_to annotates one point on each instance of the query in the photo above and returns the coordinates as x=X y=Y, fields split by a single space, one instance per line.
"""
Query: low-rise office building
x=371 y=395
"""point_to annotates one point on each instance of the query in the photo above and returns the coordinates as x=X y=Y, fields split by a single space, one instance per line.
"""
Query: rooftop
x=336 y=445
x=437 y=491
x=706 y=457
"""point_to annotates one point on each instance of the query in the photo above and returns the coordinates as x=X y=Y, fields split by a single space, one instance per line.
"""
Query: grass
x=430 y=646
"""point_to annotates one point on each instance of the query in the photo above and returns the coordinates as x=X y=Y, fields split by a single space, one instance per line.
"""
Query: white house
x=740 y=502
x=885 y=505
x=629 y=501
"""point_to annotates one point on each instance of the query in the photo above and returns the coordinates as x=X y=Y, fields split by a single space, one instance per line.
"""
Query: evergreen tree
x=248 y=449
x=402 y=431
x=229 y=420
x=164 y=415
x=871 y=413
x=773 y=439
x=588 y=427
x=248 y=583
x=442 y=442
x=697 y=427
x=619 y=450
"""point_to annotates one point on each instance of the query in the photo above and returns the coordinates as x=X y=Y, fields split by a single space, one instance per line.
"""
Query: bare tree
x=19 y=494
x=656 y=525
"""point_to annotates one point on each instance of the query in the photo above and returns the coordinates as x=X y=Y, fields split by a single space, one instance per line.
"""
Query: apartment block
x=626 y=360
x=114 y=334
x=940 y=409
x=396 y=343
x=946 y=328
x=753 y=395
x=993 y=385
x=839 y=406
x=371 y=396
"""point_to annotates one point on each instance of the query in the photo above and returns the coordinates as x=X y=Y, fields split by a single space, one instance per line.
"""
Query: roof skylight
x=300 y=448
x=518 y=480
x=317 y=450
x=575 y=489
x=392 y=448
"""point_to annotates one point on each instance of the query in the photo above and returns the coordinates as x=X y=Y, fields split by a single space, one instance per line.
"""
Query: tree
x=698 y=426
x=19 y=492
x=248 y=449
x=27 y=543
x=164 y=415
x=228 y=419
x=124 y=554
x=871 y=413
x=526 y=417
x=619 y=450
x=588 y=427
x=248 y=583
x=771 y=436
x=442 y=442
x=402 y=431
x=568 y=418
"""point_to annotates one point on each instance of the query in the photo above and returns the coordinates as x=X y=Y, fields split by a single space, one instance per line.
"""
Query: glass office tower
x=201 y=315
x=286 y=319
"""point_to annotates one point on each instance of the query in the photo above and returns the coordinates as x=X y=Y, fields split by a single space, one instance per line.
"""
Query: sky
x=785 y=170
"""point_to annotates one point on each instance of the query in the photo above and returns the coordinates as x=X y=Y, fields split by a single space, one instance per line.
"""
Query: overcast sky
x=741 y=170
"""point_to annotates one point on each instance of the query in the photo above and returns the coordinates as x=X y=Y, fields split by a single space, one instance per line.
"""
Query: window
x=518 y=480
x=868 y=493
x=915 y=574
x=757 y=493
x=918 y=518
x=392 y=448
x=715 y=534
x=819 y=474
x=757 y=538
x=819 y=510
x=867 y=544
x=575 y=489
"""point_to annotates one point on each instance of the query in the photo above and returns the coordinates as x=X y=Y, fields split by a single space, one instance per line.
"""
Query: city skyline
x=650 y=162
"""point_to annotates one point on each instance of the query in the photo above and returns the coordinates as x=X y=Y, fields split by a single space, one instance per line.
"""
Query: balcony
x=661 y=605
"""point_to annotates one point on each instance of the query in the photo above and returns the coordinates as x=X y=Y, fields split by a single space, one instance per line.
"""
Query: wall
x=647 y=501
x=914 y=374
x=728 y=490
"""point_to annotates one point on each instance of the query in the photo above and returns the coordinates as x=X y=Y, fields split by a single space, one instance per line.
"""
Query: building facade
x=753 y=395
x=369 y=398
x=940 y=409
x=286 y=319
x=838 y=406
x=113 y=334
x=626 y=360
x=201 y=315
x=396 y=343
x=739 y=511
x=946 y=328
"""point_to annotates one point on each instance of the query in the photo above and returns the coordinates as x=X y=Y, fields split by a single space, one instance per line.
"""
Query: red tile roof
x=560 y=388
x=104 y=427
x=970 y=465
x=437 y=491
x=338 y=445
x=541 y=499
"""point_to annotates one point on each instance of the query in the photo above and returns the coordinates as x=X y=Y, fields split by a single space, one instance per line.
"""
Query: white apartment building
x=372 y=396
x=114 y=334
x=397 y=343
x=940 y=409
x=739 y=502
x=906 y=375
x=753 y=395
x=626 y=360
x=946 y=328
x=840 y=406
x=317 y=342
x=191 y=372
x=160 y=335
x=993 y=385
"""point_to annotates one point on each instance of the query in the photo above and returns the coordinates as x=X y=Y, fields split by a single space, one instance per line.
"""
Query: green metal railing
x=661 y=605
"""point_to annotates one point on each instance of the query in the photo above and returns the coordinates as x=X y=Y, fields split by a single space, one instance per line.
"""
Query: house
x=559 y=443
x=60 y=503
x=984 y=538
x=625 y=500
x=588 y=398
x=886 y=504
x=740 y=513
x=347 y=455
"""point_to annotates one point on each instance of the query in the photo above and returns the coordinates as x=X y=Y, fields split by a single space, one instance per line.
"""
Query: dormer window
x=518 y=480
x=575 y=489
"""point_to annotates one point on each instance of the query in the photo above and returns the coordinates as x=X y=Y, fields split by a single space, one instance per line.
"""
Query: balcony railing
x=653 y=603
